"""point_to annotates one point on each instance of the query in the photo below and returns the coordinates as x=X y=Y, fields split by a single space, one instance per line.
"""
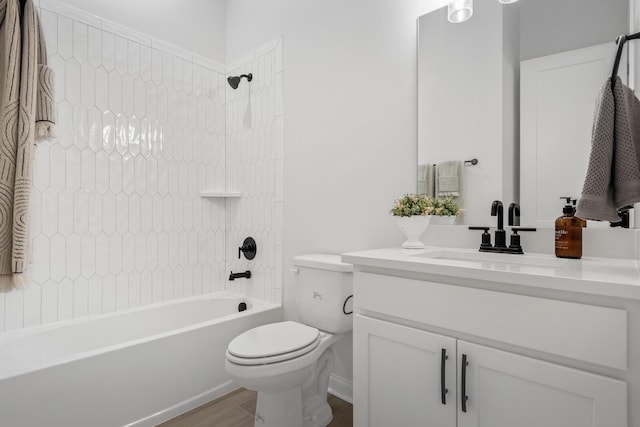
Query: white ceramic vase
x=413 y=227
x=442 y=220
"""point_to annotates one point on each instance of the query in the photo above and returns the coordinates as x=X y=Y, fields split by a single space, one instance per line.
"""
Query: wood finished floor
x=238 y=408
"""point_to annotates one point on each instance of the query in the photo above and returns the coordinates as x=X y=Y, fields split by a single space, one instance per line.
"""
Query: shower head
x=234 y=81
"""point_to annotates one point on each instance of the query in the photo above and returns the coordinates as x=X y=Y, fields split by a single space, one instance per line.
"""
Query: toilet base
x=317 y=412
x=279 y=409
x=301 y=406
x=284 y=409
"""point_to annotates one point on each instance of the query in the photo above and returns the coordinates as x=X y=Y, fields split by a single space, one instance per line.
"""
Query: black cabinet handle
x=463 y=383
x=443 y=389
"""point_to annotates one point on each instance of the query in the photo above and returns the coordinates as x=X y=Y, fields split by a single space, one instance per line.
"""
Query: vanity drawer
x=579 y=331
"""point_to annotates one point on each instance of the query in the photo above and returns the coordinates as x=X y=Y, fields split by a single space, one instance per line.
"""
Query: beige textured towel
x=26 y=97
x=613 y=174
x=425 y=180
x=449 y=178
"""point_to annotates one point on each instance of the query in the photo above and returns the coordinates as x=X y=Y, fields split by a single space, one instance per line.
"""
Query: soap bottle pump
x=568 y=238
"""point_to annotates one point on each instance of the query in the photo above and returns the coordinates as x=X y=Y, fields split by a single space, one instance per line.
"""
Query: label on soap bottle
x=568 y=238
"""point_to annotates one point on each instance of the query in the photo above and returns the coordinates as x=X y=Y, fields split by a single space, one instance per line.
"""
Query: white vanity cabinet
x=404 y=326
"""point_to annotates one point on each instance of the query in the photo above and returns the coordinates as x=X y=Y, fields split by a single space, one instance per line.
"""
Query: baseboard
x=186 y=406
x=341 y=388
x=338 y=386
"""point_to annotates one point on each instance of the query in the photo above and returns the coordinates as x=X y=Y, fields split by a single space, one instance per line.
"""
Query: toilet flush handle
x=344 y=306
x=294 y=270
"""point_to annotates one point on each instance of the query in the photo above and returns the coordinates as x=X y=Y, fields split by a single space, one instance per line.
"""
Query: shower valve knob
x=248 y=248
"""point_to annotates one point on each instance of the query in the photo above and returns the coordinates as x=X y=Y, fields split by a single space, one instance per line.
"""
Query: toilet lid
x=273 y=340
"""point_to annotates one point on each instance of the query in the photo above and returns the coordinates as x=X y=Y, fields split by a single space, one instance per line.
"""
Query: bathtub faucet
x=234 y=276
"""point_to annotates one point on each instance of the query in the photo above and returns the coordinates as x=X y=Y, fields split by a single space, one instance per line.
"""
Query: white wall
x=350 y=119
x=194 y=25
x=574 y=24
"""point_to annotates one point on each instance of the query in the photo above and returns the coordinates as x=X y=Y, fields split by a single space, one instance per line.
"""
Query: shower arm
x=234 y=81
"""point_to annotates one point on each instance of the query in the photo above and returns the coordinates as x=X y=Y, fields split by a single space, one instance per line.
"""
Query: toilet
x=289 y=363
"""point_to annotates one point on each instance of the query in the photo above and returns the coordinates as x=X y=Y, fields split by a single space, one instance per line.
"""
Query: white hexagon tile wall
x=143 y=127
x=254 y=128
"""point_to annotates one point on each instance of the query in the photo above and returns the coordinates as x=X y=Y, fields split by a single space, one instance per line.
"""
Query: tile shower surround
x=254 y=129
x=117 y=219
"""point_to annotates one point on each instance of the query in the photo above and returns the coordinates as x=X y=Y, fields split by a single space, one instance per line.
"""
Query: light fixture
x=507 y=1
x=460 y=11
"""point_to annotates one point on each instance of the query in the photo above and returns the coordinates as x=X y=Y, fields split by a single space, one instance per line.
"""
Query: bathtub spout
x=234 y=276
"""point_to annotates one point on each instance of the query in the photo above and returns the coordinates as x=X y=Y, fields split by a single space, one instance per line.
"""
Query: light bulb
x=460 y=11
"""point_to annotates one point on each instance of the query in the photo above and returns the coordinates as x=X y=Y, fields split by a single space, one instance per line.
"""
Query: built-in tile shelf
x=219 y=194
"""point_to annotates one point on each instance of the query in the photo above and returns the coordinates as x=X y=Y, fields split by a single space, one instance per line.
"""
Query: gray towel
x=425 y=180
x=613 y=174
x=449 y=178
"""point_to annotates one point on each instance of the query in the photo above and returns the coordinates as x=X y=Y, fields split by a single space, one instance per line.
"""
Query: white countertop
x=611 y=277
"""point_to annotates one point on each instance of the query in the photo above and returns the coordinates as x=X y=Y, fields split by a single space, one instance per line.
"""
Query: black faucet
x=514 y=215
x=623 y=213
x=497 y=210
x=234 y=276
x=500 y=246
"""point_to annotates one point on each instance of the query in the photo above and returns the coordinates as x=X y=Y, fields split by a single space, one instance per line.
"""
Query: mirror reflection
x=517 y=99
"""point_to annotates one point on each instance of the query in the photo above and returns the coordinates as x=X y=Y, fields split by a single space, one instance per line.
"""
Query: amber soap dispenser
x=569 y=232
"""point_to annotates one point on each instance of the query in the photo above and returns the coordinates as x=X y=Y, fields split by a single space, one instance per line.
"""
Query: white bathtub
x=138 y=367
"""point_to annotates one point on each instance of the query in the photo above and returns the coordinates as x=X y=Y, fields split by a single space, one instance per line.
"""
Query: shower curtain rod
x=621 y=40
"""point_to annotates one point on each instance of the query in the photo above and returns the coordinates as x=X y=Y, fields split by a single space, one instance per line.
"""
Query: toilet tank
x=324 y=290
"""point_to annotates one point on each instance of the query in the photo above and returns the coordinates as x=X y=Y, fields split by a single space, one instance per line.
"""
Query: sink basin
x=496 y=258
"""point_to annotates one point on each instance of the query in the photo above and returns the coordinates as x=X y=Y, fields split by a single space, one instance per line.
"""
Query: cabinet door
x=399 y=374
x=508 y=390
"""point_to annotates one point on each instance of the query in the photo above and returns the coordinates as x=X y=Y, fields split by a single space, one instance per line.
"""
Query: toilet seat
x=273 y=343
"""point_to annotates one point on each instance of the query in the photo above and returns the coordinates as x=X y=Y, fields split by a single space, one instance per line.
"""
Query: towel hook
x=620 y=40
